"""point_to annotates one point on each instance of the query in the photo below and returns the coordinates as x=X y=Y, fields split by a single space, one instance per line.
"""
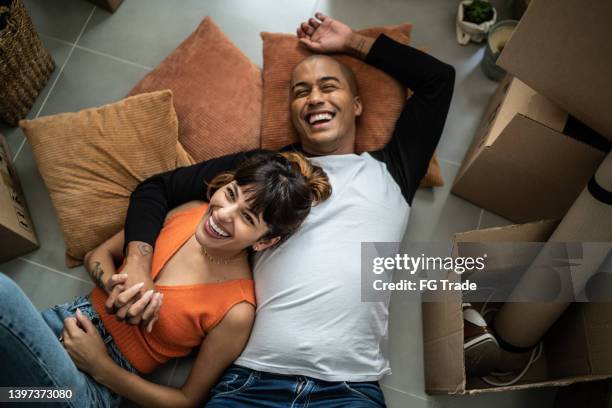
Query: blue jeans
x=32 y=356
x=241 y=387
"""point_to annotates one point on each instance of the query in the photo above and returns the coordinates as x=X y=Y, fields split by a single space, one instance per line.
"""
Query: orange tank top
x=188 y=311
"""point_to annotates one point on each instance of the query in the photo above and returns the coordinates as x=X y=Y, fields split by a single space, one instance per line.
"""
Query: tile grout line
x=44 y=102
x=480 y=218
x=67 y=275
x=103 y=54
x=404 y=392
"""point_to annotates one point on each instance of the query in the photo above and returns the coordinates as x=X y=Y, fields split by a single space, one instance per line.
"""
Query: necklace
x=224 y=261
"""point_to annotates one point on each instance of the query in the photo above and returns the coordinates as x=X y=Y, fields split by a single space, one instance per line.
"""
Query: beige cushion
x=217 y=93
x=383 y=98
x=91 y=161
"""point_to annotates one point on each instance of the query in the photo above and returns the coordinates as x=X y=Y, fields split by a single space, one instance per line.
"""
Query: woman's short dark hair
x=283 y=187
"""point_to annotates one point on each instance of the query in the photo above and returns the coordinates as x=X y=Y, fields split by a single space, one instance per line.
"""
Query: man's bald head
x=348 y=74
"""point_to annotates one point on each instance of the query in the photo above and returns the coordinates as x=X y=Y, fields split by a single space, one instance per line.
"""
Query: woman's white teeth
x=217 y=229
x=319 y=116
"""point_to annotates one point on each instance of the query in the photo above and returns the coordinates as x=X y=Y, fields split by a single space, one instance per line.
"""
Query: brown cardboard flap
x=443 y=347
x=526 y=166
x=538 y=231
x=520 y=99
x=541 y=384
x=562 y=49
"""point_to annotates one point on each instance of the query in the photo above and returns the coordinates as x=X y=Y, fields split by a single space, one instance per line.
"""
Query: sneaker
x=481 y=350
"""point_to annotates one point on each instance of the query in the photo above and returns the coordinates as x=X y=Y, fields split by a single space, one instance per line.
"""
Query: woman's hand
x=84 y=344
x=144 y=310
x=324 y=34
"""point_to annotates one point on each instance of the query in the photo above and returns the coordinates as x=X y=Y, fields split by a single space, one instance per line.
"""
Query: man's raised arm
x=421 y=122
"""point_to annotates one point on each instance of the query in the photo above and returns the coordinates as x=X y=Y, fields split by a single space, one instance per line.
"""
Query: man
x=314 y=341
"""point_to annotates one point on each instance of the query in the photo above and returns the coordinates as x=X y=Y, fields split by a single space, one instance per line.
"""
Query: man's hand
x=325 y=35
x=130 y=302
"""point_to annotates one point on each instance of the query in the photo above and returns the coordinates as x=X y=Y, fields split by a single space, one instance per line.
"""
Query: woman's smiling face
x=229 y=224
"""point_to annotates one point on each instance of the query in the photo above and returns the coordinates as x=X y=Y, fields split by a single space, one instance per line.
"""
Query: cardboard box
x=562 y=49
x=17 y=234
x=577 y=348
x=521 y=165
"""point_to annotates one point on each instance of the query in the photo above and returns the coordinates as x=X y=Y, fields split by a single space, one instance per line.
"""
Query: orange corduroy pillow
x=217 y=93
x=91 y=161
x=382 y=96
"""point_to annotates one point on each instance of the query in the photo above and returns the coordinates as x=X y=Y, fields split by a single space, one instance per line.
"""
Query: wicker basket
x=25 y=65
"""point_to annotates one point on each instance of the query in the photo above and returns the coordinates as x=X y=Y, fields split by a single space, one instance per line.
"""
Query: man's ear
x=265 y=243
x=357 y=105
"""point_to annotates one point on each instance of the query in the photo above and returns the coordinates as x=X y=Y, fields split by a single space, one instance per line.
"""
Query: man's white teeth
x=319 y=116
x=217 y=229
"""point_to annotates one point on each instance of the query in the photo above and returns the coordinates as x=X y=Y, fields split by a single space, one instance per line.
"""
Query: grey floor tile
x=61 y=19
x=46 y=224
x=45 y=288
x=59 y=51
x=406 y=345
x=163 y=373
x=397 y=399
x=490 y=220
x=145 y=31
x=182 y=370
x=436 y=214
x=91 y=80
x=537 y=398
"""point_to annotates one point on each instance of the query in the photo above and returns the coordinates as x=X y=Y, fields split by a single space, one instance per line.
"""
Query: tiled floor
x=100 y=56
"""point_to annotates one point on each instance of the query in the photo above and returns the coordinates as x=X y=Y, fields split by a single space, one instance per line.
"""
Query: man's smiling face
x=323 y=106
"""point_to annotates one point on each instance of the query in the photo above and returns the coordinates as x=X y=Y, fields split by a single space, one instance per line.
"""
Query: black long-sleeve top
x=406 y=156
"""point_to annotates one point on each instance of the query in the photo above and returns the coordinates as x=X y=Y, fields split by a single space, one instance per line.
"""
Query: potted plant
x=474 y=19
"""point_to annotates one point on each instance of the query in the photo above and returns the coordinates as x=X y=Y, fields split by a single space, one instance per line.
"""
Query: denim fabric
x=32 y=355
x=241 y=387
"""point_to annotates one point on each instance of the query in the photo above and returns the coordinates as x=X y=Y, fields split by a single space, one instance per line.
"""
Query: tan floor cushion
x=91 y=161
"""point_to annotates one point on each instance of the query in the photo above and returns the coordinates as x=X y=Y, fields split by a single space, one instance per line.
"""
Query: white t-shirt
x=310 y=318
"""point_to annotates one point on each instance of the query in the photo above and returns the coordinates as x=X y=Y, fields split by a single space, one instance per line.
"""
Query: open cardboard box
x=17 y=234
x=521 y=165
x=562 y=49
x=577 y=348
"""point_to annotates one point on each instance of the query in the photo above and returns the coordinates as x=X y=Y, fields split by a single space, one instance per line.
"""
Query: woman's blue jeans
x=31 y=354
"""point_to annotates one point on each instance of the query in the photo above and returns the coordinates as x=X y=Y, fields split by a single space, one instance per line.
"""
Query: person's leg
x=241 y=387
x=31 y=353
x=345 y=394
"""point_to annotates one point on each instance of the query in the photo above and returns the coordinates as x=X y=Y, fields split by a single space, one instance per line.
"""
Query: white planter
x=467 y=31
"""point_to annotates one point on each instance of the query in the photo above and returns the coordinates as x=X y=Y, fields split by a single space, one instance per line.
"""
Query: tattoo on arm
x=145 y=249
x=96 y=274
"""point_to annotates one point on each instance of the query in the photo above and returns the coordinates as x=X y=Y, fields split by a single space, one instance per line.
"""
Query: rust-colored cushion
x=92 y=160
x=217 y=93
x=382 y=96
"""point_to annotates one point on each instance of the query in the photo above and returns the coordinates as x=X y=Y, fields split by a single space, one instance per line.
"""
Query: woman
x=200 y=268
